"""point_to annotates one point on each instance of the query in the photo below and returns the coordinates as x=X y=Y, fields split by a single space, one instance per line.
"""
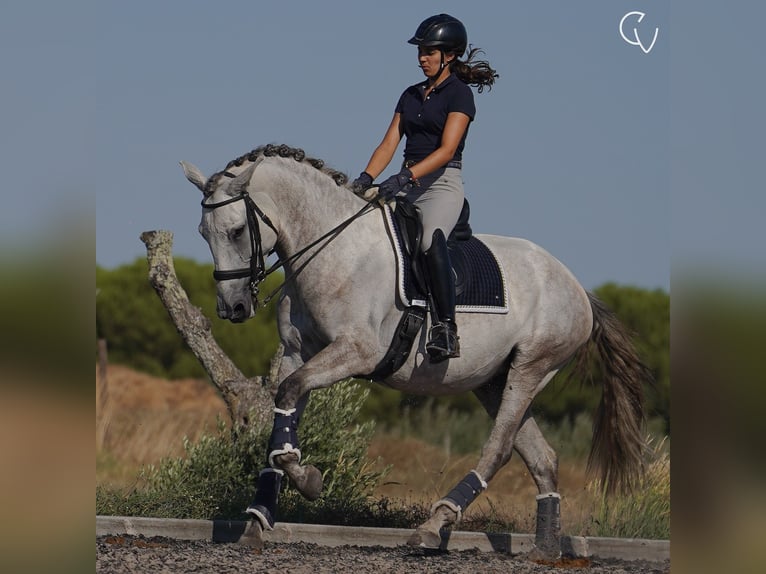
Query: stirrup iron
x=443 y=342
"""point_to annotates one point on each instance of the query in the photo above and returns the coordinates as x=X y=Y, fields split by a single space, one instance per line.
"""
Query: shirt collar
x=448 y=80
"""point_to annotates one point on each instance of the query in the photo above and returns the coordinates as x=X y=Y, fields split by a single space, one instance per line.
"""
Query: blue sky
x=571 y=149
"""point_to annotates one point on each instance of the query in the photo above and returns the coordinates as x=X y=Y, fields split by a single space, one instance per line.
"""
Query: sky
x=575 y=147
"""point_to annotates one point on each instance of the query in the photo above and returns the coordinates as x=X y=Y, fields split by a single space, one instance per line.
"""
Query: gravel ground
x=123 y=554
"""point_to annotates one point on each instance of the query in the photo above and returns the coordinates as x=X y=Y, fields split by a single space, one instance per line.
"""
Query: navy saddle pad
x=480 y=282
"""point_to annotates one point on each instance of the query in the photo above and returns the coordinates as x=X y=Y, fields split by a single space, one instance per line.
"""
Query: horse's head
x=239 y=233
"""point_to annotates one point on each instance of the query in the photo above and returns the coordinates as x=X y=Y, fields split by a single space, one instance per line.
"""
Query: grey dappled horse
x=338 y=311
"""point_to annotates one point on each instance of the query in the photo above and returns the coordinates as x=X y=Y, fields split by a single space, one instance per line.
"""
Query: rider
x=434 y=115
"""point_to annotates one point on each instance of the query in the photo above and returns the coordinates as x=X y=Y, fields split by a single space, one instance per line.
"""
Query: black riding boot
x=443 y=341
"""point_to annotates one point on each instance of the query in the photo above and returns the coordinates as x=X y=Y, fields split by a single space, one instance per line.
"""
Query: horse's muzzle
x=237 y=313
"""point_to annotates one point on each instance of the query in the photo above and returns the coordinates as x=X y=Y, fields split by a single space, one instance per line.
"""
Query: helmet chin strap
x=442 y=65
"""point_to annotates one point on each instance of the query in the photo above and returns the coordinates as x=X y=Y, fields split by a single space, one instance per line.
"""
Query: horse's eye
x=237 y=233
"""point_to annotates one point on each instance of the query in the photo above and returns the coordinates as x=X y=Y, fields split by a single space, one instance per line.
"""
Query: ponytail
x=475 y=73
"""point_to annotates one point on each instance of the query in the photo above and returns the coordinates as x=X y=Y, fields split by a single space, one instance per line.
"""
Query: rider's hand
x=361 y=183
x=401 y=182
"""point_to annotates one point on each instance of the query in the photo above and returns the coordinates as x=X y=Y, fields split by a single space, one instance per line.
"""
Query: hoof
x=310 y=483
x=423 y=538
x=540 y=555
x=307 y=479
x=252 y=536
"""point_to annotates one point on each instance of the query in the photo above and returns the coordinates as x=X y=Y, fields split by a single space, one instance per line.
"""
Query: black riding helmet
x=442 y=31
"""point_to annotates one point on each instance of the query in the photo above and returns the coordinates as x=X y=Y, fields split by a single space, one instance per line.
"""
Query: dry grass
x=422 y=473
x=643 y=513
x=140 y=419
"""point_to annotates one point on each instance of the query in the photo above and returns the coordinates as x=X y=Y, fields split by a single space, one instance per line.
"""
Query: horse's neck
x=310 y=205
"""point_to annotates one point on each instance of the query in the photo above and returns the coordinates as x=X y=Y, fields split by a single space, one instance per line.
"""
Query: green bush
x=437 y=421
x=217 y=477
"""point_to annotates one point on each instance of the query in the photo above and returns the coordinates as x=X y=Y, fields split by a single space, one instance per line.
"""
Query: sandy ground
x=140 y=419
x=124 y=554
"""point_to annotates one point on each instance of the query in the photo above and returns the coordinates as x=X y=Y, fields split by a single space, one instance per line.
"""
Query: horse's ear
x=194 y=175
x=240 y=183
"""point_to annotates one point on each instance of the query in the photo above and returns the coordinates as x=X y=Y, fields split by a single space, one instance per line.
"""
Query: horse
x=339 y=309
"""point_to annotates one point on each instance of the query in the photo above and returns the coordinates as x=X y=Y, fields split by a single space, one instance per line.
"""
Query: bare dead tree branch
x=249 y=401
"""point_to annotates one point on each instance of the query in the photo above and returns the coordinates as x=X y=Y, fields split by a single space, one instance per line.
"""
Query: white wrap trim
x=483 y=482
x=548 y=495
x=287 y=448
x=449 y=504
x=455 y=507
x=258 y=515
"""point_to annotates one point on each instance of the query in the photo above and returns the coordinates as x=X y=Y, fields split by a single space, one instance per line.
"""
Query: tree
x=140 y=334
x=646 y=314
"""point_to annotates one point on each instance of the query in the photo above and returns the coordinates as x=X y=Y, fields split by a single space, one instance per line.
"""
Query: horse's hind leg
x=513 y=397
x=506 y=406
x=542 y=462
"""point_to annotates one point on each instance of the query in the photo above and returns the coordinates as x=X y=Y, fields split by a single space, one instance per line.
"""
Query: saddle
x=479 y=281
x=410 y=226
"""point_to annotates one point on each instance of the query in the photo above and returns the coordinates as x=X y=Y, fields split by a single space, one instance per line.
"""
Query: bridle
x=257 y=270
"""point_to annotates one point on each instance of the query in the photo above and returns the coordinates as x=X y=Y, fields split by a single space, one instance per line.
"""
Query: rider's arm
x=454 y=128
x=385 y=151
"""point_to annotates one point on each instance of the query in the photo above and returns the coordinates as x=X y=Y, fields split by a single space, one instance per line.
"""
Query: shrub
x=217 y=477
x=438 y=422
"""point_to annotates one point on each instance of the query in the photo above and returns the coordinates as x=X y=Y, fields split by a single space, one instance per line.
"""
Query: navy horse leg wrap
x=264 y=507
x=284 y=435
x=463 y=494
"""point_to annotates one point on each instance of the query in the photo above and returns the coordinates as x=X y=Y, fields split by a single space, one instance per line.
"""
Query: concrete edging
x=323 y=535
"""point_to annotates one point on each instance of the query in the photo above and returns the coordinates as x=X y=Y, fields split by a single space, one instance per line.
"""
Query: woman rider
x=434 y=115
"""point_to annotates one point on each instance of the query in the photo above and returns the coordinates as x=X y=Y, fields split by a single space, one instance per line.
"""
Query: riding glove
x=401 y=182
x=361 y=183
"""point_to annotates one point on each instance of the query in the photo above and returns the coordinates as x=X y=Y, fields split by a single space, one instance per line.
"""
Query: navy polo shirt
x=423 y=119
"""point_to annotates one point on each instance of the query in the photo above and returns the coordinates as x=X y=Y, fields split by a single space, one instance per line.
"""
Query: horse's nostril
x=239 y=309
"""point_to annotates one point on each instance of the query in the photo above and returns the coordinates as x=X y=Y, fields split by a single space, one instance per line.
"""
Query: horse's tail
x=618 y=446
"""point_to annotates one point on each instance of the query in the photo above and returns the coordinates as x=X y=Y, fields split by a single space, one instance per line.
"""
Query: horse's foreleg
x=264 y=506
x=336 y=362
x=284 y=451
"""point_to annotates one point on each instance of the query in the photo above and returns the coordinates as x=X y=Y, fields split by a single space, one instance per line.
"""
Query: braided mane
x=282 y=150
